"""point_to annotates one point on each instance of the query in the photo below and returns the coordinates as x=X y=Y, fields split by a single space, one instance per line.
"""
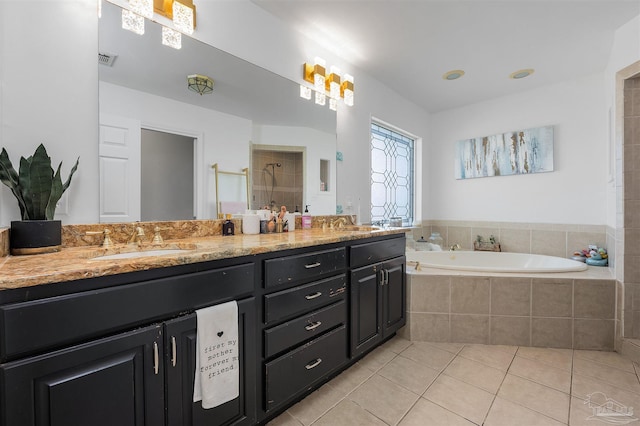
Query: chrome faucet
x=341 y=221
x=137 y=236
x=454 y=247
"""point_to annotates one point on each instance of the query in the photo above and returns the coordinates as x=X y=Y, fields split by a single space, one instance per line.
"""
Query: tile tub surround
x=550 y=311
x=536 y=238
x=426 y=383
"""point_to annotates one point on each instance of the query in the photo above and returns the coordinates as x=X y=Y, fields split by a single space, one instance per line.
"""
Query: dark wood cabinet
x=113 y=381
x=139 y=377
x=180 y=355
x=120 y=350
x=304 y=326
x=377 y=293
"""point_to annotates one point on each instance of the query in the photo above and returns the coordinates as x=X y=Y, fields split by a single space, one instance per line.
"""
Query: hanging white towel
x=217 y=375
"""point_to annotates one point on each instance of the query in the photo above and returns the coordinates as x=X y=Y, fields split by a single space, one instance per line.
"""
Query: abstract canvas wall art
x=519 y=152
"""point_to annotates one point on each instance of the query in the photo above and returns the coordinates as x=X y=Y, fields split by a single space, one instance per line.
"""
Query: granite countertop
x=76 y=263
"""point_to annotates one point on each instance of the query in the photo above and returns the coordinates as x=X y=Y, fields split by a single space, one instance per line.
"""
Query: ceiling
x=409 y=45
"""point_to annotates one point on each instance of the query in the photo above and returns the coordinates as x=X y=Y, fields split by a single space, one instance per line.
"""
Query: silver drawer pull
x=313 y=326
x=312 y=265
x=173 y=351
x=313 y=296
x=313 y=364
x=155 y=358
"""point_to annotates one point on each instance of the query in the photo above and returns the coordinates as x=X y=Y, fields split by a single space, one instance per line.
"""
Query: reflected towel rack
x=244 y=173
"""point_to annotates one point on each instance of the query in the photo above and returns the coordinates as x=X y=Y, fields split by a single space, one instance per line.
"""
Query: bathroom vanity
x=119 y=348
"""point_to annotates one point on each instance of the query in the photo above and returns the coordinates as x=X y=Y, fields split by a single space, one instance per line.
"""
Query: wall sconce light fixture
x=200 y=84
x=332 y=85
x=182 y=13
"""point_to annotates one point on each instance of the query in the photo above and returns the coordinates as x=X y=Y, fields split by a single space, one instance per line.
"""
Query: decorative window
x=392 y=175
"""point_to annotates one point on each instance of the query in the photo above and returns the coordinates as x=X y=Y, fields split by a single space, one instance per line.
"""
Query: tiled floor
x=415 y=383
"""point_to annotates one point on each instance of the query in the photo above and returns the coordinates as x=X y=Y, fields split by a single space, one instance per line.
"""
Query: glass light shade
x=319 y=75
x=132 y=22
x=334 y=82
x=305 y=92
x=348 y=90
x=200 y=84
x=171 y=38
x=333 y=104
x=142 y=7
x=321 y=98
x=183 y=18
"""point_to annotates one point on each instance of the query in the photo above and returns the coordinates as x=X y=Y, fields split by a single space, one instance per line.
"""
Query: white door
x=119 y=169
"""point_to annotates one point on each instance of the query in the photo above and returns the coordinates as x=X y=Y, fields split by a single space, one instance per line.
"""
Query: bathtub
x=483 y=261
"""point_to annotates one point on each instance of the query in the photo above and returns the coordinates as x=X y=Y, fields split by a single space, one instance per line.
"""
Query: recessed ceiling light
x=453 y=74
x=521 y=73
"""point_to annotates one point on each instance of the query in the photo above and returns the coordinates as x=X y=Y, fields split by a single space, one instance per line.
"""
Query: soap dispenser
x=306 y=218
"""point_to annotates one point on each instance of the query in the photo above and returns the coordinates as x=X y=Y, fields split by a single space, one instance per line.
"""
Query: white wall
x=226 y=137
x=318 y=145
x=575 y=192
x=49 y=95
x=266 y=42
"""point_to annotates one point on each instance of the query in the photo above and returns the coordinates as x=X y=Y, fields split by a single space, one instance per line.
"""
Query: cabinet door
x=180 y=337
x=394 y=296
x=366 y=309
x=111 y=381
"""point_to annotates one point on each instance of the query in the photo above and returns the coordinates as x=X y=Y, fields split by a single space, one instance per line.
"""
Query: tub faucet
x=454 y=247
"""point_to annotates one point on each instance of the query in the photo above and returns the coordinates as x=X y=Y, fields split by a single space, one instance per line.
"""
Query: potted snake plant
x=37 y=189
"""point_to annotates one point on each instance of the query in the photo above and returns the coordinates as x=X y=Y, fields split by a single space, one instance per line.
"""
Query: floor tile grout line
x=573 y=354
x=493 y=400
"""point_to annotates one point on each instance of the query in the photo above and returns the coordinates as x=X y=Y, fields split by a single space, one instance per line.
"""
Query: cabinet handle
x=312 y=265
x=381 y=276
x=156 y=365
x=313 y=296
x=174 y=351
x=313 y=364
x=313 y=326
x=386 y=276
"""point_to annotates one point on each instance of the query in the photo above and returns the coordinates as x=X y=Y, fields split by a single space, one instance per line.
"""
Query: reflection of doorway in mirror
x=277 y=179
x=167 y=176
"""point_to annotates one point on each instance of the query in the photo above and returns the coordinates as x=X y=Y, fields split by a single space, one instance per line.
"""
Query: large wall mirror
x=253 y=116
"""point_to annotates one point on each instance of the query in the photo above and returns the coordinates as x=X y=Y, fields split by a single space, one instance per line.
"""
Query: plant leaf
x=9 y=177
x=24 y=187
x=68 y=182
x=41 y=178
x=56 y=193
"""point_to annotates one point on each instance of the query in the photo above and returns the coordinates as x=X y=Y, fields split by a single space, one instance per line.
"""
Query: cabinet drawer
x=297 y=370
x=304 y=267
x=368 y=253
x=29 y=327
x=299 y=300
x=292 y=333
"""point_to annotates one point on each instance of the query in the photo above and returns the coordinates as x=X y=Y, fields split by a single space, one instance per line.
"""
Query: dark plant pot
x=35 y=236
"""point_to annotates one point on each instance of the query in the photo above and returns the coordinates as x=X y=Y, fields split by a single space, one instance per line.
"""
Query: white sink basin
x=138 y=254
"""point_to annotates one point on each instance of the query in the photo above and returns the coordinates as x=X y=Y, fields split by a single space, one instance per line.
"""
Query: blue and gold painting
x=512 y=153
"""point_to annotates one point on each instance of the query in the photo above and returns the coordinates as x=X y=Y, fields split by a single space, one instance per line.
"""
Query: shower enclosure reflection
x=277 y=179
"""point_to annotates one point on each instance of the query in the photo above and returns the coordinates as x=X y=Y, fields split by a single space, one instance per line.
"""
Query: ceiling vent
x=107 y=59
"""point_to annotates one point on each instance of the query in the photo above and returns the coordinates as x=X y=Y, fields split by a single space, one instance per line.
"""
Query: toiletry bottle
x=228 y=227
x=306 y=218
